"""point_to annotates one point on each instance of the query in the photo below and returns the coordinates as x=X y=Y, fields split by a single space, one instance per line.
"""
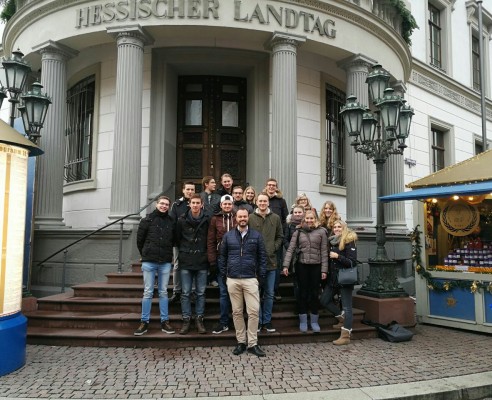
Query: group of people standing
x=243 y=241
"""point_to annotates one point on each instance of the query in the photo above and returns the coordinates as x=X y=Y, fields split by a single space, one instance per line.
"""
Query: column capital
x=280 y=40
x=357 y=62
x=55 y=50
x=131 y=34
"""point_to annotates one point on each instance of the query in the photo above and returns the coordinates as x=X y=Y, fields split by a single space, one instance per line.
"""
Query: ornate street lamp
x=375 y=135
x=33 y=110
x=16 y=72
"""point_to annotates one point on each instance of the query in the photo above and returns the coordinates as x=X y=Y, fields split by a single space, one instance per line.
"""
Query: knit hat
x=226 y=197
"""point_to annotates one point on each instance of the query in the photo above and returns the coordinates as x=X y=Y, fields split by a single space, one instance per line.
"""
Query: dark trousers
x=309 y=278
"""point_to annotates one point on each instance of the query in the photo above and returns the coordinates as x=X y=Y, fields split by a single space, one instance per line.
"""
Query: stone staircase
x=105 y=314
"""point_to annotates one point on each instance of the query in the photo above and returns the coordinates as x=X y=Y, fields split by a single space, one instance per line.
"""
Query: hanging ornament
x=489 y=288
x=474 y=287
x=447 y=285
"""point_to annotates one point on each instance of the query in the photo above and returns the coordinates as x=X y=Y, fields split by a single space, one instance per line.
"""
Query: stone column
x=50 y=167
x=125 y=185
x=357 y=167
x=394 y=182
x=284 y=111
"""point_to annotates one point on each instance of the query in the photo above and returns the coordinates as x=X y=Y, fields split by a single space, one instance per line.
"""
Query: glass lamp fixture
x=34 y=110
x=352 y=113
x=377 y=81
x=16 y=72
x=390 y=112
x=403 y=129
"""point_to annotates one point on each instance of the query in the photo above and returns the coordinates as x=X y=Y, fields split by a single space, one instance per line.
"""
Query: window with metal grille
x=437 y=149
x=476 y=63
x=79 y=130
x=435 y=36
x=335 y=162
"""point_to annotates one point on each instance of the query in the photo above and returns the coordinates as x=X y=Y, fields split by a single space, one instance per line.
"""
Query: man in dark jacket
x=226 y=185
x=277 y=205
x=180 y=207
x=191 y=238
x=211 y=200
x=155 y=239
x=242 y=261
x=220 y=224
x=268 y=224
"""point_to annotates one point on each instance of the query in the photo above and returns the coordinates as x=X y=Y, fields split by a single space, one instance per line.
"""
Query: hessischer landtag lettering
x=264 y=14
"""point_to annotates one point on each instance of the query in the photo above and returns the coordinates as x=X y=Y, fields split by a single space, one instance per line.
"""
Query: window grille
x=79 y=130
x=335 y=138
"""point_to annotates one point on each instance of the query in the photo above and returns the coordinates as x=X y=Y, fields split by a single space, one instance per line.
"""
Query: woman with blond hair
x=329 y=215
x=312 y=242
x=249 y=196
x=343 y=254
x=303 y=201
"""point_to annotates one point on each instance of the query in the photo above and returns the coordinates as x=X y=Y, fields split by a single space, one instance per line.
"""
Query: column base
x=384 y=311
x=13 y=334
x=46 y=222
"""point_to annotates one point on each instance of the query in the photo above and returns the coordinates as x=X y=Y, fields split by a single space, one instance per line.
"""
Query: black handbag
x=348 y=276
x=393 y=332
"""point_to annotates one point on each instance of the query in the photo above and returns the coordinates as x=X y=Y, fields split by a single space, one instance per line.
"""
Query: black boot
x=186 y=326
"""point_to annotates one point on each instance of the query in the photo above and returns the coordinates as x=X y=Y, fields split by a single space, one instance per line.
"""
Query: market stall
x=453 y=244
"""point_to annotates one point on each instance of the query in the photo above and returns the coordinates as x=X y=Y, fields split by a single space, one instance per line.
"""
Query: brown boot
x=200 y=327
x=340 y=319
x=344 y=337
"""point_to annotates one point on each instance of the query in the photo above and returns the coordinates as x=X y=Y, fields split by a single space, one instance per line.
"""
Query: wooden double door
x=211 y=136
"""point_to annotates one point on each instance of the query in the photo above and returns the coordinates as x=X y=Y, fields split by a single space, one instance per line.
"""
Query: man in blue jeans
x=220 y=224
x=155 y=239
x=270 y=227
x=191 y=239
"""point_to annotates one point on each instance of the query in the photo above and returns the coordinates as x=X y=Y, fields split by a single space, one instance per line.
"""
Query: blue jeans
x=200 y=277
x=163 y=271
x=224 y=301
x=266 y=293
x=346 y=297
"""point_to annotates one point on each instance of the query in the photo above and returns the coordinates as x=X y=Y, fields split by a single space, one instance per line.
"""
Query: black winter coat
x=191 y=239
x=155 y=237
x=242 y=258
x=278 y=206
x=346 y=258
x=179 y=207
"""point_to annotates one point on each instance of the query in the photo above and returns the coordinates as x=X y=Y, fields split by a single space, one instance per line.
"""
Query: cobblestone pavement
x=125 y=373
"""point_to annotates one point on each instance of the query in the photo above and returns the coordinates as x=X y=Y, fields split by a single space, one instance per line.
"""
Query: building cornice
x=354 y=14
x=441 y=85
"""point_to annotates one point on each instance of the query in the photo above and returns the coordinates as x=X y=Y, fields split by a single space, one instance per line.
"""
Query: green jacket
x=270 y=227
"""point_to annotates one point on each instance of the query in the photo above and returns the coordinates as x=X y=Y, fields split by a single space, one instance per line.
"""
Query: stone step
x=158 y=339
x=107 y=313
x=123 y=320
x=135 y=290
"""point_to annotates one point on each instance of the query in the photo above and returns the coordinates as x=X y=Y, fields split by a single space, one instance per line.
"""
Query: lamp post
x=378 y=135
x=16 y=72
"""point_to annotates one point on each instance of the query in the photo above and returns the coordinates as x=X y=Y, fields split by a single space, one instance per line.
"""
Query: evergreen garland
x=438 y=285
x=408 y=23
x=8 y=10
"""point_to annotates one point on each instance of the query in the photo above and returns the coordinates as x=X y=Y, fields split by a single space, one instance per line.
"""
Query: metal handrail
x=64 y=249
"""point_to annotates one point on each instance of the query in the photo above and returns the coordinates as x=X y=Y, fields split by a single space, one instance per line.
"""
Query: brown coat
x=314 y=247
